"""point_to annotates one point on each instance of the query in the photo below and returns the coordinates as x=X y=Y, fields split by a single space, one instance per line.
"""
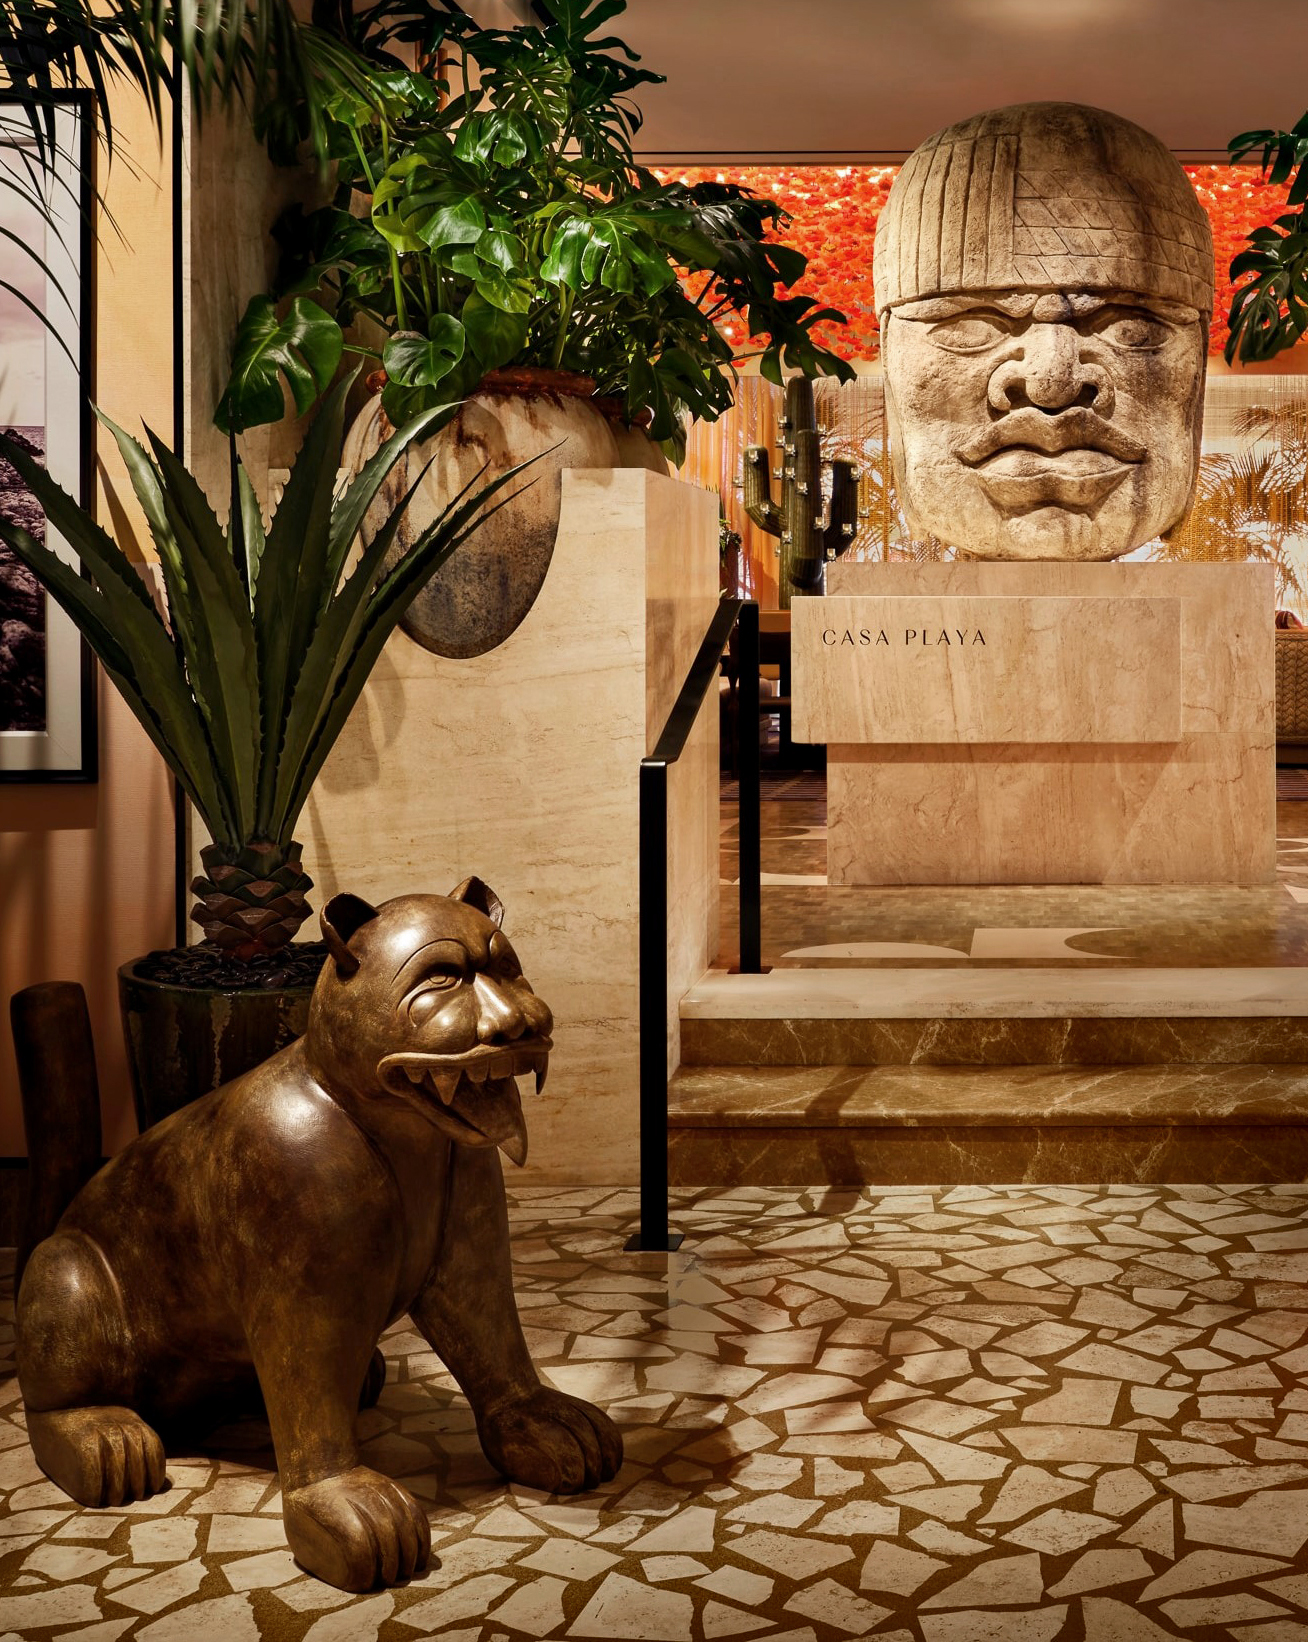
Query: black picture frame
x=64 y=745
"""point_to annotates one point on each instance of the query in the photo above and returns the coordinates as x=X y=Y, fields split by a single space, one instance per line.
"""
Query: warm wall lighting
x=834 y=210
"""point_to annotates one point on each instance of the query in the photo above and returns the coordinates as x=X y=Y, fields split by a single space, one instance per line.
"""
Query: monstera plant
x=494 y=243
x=245 y=677
x=498 y=217
x=1269 y=312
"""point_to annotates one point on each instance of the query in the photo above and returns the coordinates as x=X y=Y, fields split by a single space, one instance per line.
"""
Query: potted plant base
x=476 y=599
x=194 y=1017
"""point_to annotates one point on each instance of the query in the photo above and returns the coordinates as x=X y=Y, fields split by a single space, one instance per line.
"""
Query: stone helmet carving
x=1044 y=282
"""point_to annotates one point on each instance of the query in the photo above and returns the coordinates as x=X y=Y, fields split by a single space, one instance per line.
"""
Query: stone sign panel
x=982 y=669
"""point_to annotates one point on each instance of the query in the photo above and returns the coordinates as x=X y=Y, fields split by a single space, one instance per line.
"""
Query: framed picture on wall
x=47 y=682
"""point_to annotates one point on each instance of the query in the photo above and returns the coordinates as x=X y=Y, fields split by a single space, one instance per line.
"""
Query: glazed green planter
x=183 y=1041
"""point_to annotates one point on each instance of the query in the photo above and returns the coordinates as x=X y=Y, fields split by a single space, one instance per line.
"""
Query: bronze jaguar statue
x=259 y=1241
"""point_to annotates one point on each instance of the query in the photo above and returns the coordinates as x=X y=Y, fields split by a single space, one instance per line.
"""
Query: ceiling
x=829 y=80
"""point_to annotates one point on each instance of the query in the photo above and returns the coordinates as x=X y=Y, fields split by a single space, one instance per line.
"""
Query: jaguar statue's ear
x=342 y=918
x=481 y=897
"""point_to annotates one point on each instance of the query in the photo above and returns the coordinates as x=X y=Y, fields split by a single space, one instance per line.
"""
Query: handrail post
x=747 y=759
x=652 y=1056
x=654 y=1233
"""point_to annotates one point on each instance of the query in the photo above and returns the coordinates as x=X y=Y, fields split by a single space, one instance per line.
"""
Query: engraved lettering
x=867 y=637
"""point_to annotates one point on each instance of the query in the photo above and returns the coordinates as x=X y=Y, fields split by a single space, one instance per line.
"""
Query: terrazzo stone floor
x=809 y=924
x=978 y=1414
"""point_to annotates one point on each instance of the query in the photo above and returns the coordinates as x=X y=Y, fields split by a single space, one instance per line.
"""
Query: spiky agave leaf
x=362 y=615
x=300 y=567
x=267 y=645
x=209 y=612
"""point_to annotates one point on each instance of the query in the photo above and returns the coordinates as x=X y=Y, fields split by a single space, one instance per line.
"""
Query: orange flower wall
x=834 y=209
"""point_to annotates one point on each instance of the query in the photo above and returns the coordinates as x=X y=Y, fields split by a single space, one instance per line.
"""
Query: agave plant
x=246 y=679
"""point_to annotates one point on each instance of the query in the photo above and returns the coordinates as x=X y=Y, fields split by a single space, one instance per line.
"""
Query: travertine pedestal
x=1042 y=723
x=522 y=766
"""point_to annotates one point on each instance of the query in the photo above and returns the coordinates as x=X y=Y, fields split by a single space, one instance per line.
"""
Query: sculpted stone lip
x=1031 y=431
x=1028 y=459
x=1021 y=462
x=1051 y=482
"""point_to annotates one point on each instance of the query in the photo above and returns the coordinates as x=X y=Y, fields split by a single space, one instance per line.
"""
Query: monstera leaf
x=423 y=371
x=494 y=335
x=1269 y=312
x=303 y=349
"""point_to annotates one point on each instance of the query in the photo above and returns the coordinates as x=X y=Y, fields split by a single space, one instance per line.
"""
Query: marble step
x=963 y=1125
x=997 y=1017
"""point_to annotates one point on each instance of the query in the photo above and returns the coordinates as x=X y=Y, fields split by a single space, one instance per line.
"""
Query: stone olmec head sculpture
x=1044 y=281
x=254 y=1245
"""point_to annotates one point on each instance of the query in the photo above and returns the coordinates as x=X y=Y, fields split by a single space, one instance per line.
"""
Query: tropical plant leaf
x=523 y=190
x=253 y=537
x=495 y=335
x=352 y=504
x=303 y=349
x=1270 y=312
x=213 y=623
x=462 y=223
x=413 y=361
x=292 y=586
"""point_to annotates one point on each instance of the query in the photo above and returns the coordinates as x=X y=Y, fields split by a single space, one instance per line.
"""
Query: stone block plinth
x=1115 y=723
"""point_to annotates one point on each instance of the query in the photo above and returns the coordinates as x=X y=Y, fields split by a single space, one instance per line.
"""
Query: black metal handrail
x=654 y=1233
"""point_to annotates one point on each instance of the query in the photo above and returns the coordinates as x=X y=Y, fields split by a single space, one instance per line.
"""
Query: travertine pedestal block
x=1112 y=723
x=522 y=766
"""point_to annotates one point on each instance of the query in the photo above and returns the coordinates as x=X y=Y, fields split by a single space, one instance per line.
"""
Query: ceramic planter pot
x=484 y=591
x=184 y=1040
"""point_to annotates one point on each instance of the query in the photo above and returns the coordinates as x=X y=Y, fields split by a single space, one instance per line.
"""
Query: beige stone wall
x=522 y=766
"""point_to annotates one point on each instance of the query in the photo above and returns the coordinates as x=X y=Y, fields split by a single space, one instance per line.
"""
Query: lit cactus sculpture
x=806 y=542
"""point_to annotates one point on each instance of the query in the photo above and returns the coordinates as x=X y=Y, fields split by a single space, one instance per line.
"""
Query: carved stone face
x=1044 y=277
x=1061 y=425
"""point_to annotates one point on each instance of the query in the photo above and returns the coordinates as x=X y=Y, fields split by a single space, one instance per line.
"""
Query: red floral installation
x=833 y=214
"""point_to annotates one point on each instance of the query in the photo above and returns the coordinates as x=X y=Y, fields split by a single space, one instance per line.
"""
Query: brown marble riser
x=1064 y=1040
x=958 y=1156
x=963 y=1097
